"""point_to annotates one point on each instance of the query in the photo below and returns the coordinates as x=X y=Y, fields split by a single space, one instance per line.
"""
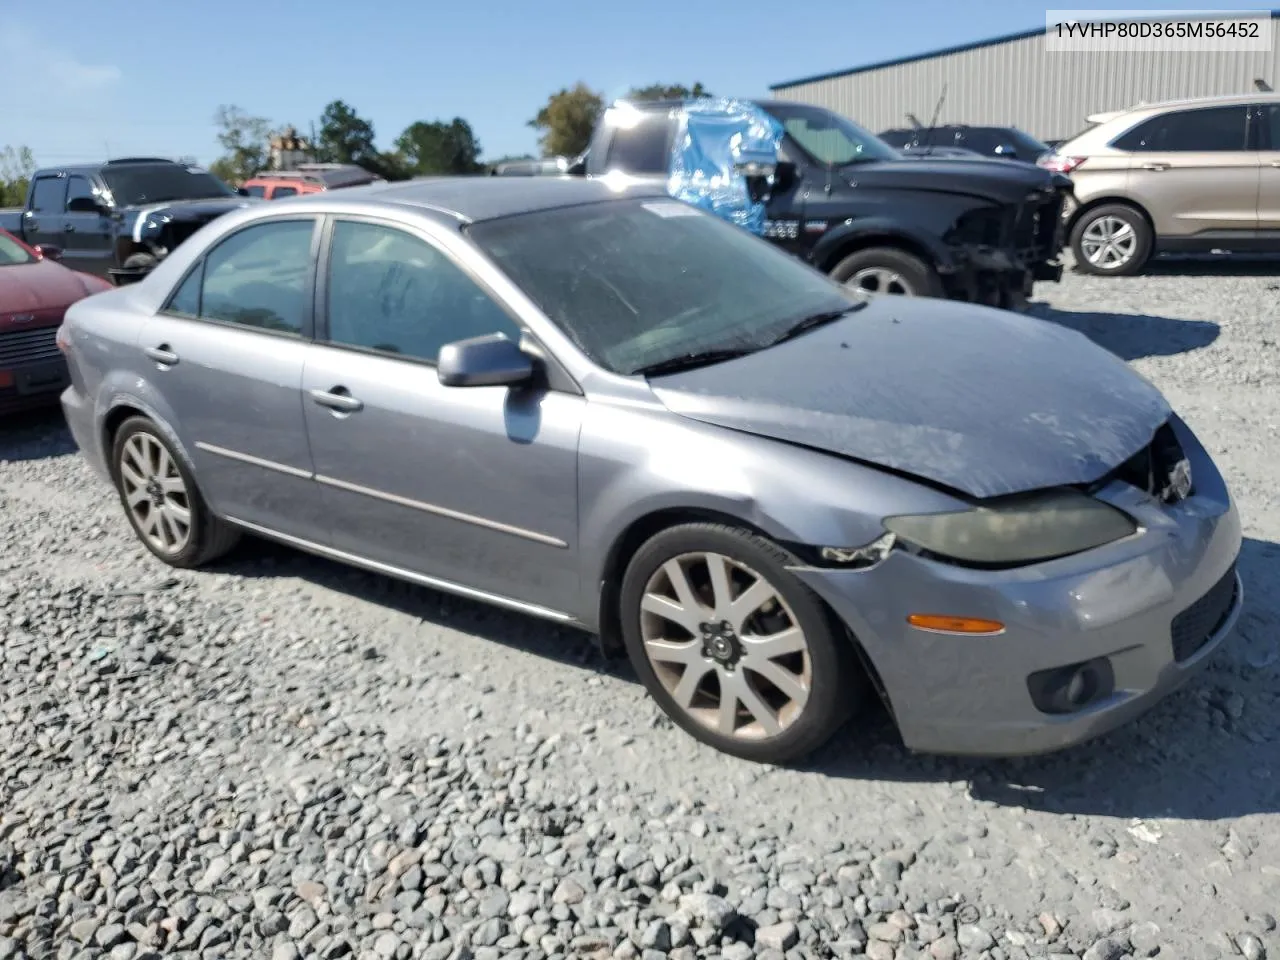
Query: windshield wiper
x=808 y=323
x=688 y=361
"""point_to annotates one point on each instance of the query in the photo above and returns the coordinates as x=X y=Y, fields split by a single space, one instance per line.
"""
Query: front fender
x=635 y=462
x=830 y=249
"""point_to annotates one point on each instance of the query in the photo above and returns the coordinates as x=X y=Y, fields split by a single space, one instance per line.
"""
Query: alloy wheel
x=881 y=280
x=155 y=493
x=1109 y=243
x=726 y=646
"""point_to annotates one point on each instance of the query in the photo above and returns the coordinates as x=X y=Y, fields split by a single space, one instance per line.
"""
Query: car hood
x=31 y=288
x=206 y=207
x=982 y=401
x=979 y=176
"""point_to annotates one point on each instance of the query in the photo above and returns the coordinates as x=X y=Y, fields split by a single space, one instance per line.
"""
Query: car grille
x=1194 y=626
x=18 y=347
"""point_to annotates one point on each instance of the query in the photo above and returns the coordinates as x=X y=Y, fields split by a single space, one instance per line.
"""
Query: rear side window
x=261 y=277
x=644 y=148
x=48 y=195
x=257 y=190
x=1210 y=130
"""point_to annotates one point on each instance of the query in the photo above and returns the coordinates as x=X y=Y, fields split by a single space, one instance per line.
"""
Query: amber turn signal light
x=966 y=626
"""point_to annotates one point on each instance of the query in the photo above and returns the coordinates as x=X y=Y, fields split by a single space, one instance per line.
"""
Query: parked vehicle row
x=778 y=495
x=120 y=218
x=845 y=201
x=307 y=178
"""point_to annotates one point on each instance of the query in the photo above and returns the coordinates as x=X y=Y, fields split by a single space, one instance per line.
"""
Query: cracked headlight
x=1021 y=530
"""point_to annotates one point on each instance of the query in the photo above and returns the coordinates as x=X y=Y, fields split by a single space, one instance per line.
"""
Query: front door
x=1268 y=127
x=226 y=356
x=1193 y=171
x=474 y=486
x=86 y=234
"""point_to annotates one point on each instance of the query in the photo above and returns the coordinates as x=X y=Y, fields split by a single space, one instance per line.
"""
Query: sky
x=145 y=77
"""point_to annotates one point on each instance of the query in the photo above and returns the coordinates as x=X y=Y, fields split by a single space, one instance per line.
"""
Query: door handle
x=337 y=399
x=162 y=355
x=1155 y=166
x=69 y=228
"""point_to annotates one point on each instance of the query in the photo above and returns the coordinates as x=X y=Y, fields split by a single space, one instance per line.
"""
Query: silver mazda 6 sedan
x=604 y=407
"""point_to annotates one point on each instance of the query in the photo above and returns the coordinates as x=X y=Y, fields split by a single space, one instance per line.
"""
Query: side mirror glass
x=48 y=251
x=84 y=205
x=487 y=361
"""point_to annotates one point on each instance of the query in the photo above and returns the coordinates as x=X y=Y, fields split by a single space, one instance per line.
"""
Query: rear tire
x=161 y=500
x=888 y=270
x=1113 y=240
x=757 y=636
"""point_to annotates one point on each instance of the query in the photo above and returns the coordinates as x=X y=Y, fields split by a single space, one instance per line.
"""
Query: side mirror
x=48 y=251
x=785 y=174
x=84 y=205
x=488 y=361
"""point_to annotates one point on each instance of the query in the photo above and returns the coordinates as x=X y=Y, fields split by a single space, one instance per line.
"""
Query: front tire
x=1113 y=240
x=161 y=499
x=888 y=270
x=735 y=649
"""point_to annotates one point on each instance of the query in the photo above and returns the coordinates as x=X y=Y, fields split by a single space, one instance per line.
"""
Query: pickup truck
x=824 y=189
x=117 y=220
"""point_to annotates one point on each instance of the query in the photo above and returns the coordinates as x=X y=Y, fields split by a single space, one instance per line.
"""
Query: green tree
x=246 y=144
x=16 y=166
x=565 y=122
x=346 y=137
x=439 y=148
x=672 y=91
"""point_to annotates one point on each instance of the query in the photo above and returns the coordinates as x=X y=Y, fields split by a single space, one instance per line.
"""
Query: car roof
x=1225 y=100
x=475 y=198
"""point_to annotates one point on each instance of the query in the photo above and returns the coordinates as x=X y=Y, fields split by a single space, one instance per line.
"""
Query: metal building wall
x=1020 y=83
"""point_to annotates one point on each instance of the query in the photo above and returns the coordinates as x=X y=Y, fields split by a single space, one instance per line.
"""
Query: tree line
x=341 y=135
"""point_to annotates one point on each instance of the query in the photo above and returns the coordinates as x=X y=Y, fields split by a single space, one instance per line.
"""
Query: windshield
x=12 y=252
x=635 y=283
x=160 y=182
x=828 y=137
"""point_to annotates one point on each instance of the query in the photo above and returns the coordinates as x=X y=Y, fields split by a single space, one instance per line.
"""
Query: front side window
x=391 y=291
x=284 y=192
x=256 y=190
x=636 y=282
x=78 y=188
x=1211 y=130
x=48 y=195
x=260 y=277
x=1271 y=125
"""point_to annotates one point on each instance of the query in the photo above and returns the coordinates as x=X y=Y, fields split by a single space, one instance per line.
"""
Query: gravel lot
x=283 y=758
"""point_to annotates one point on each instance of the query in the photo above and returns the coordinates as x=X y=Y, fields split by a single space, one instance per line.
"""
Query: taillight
x=1059 y=164
x=63 y=339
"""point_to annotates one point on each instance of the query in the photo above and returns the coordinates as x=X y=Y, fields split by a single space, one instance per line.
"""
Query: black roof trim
x=960 y=48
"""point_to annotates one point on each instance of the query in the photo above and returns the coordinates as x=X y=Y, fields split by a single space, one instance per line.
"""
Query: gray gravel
x=282 y=758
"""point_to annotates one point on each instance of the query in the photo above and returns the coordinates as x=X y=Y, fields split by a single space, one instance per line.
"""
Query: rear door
x=226 y=355
x=42 y=220
x=1194 y=172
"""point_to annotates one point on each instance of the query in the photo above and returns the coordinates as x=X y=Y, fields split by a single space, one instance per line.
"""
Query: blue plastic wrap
x=712 y=136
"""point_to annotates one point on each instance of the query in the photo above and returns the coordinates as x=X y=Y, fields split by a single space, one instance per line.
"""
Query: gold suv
x=1185 y=176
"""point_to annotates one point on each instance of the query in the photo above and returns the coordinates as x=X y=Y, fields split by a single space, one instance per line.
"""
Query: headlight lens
x=1022 y=530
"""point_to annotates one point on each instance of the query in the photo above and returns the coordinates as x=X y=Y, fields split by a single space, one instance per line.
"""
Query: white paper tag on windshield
x=671 y=208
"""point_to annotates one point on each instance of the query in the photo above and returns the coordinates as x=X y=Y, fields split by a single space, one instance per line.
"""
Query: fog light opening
x=1073 y=687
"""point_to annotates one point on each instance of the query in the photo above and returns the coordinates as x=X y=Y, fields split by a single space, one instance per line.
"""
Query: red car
x=35 y=291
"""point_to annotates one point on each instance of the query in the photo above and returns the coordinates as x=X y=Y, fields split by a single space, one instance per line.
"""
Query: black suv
x=857 y=209
x=1008 y=143
x=118 y=219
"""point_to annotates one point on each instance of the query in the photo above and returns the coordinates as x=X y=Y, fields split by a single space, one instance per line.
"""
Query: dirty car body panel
x=809 y=442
